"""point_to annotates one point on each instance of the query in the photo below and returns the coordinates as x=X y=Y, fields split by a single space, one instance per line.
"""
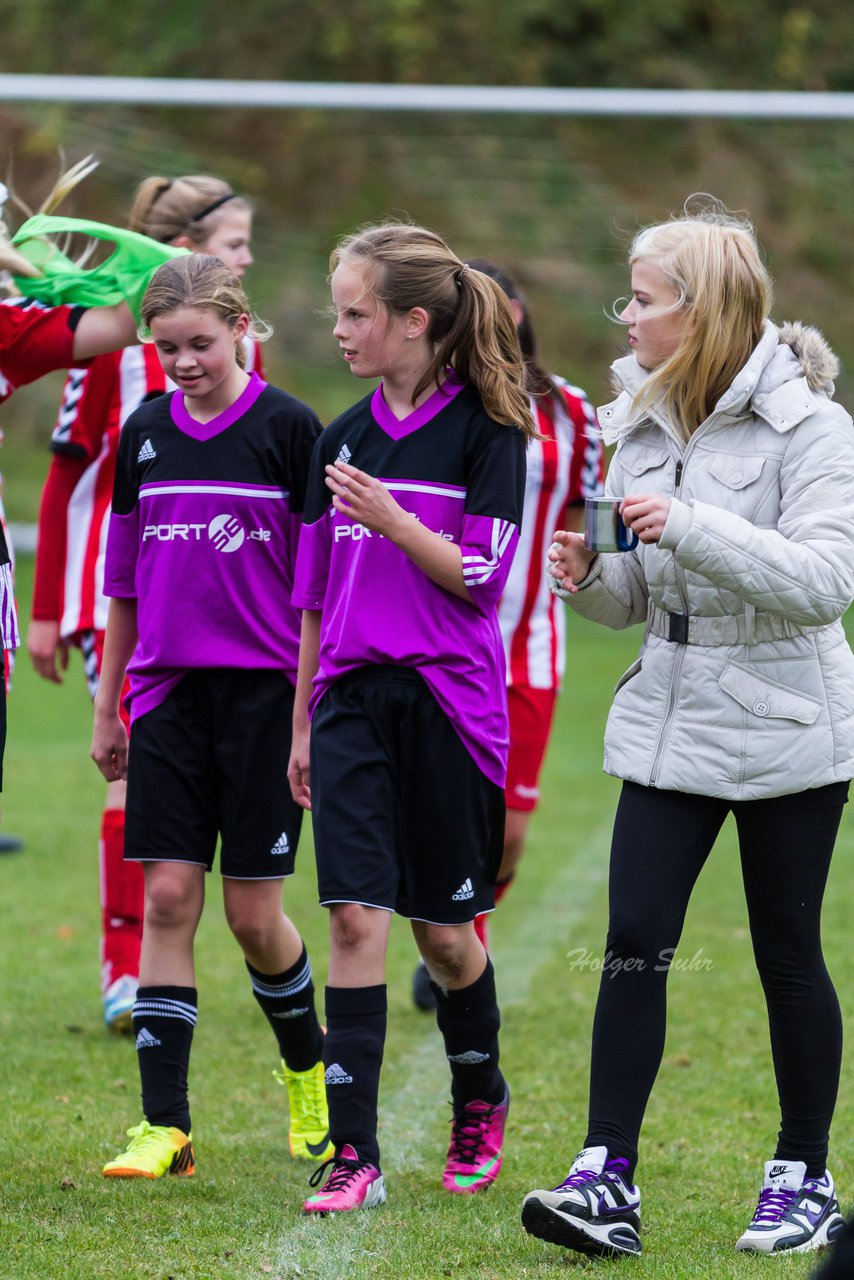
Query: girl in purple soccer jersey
x=411 y=519
x=208 y=495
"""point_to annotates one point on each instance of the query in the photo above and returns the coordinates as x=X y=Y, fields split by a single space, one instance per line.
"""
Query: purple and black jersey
x=203 y=533
x=463 y=476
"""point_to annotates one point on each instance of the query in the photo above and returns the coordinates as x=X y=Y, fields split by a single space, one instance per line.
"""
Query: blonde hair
x=199 y=280
x=192 y=206
x=13 y=261
x=712 y=261
x=472 y=328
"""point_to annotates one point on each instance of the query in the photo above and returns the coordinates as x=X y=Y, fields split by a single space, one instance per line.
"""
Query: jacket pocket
x=734 y=470
x=767 y=699
x=629 y=674
x=638 y=459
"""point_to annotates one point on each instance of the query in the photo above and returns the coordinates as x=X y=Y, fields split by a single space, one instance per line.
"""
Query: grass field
x=70 y=1090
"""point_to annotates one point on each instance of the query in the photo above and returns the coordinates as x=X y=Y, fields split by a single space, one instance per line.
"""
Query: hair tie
x=203 y=213
x=458 y=275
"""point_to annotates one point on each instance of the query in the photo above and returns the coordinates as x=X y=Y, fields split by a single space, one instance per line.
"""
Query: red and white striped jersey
x=564 y=468
x=75 y=511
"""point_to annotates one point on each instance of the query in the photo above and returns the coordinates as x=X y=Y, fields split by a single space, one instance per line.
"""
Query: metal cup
x=603 y=526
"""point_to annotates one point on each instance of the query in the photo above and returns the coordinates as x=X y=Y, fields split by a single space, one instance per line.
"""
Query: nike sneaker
x=308 y=1133
x=154 y=1150
x=474 y=1155
x=795 y=1214
x=353 y=1183
x=594 y=1210
x=118 y=1005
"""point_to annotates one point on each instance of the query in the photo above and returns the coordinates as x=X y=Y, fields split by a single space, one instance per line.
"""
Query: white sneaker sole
x=556 y=1226
x=820 y=1240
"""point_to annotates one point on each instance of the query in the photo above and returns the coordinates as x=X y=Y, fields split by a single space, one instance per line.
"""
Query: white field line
x=321 y=1250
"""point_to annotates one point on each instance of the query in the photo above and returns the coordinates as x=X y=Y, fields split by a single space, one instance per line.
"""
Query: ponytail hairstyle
x=712 y=261
x=472 y=328
x=165 y=208
x=538 y=382
x=199 y=280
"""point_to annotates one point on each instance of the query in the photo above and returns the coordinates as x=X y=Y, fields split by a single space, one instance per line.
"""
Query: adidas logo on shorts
x=344 y=454
x=464 y=892
x=145 y=1040
x=335 y=1074
x=146 y=453
x=281 y=846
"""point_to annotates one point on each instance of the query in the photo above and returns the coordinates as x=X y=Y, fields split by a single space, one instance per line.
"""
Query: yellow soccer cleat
x=308 y=1135
x=154 y=1150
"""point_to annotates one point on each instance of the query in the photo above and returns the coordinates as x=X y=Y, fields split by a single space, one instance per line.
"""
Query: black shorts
x=211 y=760
x=403 y=818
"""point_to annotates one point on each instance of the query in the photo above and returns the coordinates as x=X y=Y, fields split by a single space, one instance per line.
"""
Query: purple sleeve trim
x=121 y=557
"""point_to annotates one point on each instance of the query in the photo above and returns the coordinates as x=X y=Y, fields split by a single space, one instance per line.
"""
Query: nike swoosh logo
x=469 y=1179
x=606 y=1210
x=814 y=1218
x=317 y=1148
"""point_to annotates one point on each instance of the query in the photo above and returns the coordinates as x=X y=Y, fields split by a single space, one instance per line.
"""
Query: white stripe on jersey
x=405 y=486
x=9 y=636
x=230 y=490
x=79 y=519
x=133 y=382
x=73 y=390
x=477 y=569
x=533 y=629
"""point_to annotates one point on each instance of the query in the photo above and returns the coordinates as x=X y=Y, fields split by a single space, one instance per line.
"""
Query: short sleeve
x=88 y=409
x=313 y=554
x=587 y=459
x=35 y=340
x=123 y=532
x=495 y=492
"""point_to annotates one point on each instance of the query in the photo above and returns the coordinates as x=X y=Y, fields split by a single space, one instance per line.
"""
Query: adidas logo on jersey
x=471 y=1058
x=281 y=846
x=336 y=1074
x=344 y=454
x=146 y=453
x=464 y=892
x=145 y=1040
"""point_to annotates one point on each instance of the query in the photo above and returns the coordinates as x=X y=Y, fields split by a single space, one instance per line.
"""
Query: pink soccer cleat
x=352 y=1184
x=474 y=1156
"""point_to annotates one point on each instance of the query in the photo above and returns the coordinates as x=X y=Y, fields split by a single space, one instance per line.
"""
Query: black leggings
x=660 y=844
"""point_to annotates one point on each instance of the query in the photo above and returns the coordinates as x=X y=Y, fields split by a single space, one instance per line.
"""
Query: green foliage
x=685 y=43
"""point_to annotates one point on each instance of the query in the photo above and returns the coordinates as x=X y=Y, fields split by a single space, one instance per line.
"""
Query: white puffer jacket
x=753 y=694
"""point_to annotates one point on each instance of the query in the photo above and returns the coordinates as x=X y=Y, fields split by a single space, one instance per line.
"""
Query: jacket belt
x=738 y=628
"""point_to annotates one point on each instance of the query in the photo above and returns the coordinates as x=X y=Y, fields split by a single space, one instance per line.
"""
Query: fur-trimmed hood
x=788 y=373
x=814 y=353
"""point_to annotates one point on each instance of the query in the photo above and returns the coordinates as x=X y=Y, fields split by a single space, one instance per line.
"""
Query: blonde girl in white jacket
x=736 y=471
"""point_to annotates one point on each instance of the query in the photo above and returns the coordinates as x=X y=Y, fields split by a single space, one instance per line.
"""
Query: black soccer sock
x=353 y=1056
x=288 y=1002
x=163 y=1022
x=469 y=1020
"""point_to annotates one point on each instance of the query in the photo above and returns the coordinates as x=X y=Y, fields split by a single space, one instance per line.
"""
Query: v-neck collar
x=398 y=428
x=207 y=430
